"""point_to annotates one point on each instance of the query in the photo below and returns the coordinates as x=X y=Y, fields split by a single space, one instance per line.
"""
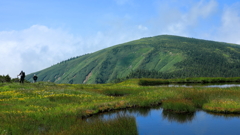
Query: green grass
x=178 y=105
x=150 y=81
x=48 y=108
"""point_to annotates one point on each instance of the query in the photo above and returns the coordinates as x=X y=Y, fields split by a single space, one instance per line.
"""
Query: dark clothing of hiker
x=22 y=76
x=35 y=78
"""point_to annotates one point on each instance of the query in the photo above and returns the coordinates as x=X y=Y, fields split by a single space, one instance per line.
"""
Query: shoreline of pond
x=148 y=120
x=217 y=85
x=158 y=105
x=199 y=80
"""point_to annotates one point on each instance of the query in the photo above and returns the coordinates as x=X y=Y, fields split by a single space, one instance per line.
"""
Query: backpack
x=35 y=77
x=23 y=74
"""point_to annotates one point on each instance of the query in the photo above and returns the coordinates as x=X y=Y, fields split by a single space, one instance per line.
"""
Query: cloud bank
x=173 y=19
x=39 y=46
x=35 y=48
x=229 y=30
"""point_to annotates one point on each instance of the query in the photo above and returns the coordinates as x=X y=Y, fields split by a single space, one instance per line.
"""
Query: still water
x=202 y=85
x=155 y=121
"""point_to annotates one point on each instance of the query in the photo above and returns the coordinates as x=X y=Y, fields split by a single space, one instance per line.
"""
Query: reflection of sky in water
x=156 y=121
x=201 y=85
x=201 y=124
x=225 y=85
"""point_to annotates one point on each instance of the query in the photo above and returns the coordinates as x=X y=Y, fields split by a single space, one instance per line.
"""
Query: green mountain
x=166 y=55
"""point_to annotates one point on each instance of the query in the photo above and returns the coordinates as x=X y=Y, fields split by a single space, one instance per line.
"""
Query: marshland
x=49 y=108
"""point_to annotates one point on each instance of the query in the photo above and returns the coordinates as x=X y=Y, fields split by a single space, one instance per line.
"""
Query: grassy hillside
x=172 y=56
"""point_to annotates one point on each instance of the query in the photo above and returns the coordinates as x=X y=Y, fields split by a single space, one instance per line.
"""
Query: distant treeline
x=72 y=58
x=69 y=59
x=6 y=78
x=141 y=73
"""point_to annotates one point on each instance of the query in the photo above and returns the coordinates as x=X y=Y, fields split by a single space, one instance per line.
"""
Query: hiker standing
x=35 y=78
x=22 y=76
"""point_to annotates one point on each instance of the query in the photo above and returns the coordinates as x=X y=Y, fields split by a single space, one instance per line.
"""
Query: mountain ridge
x=173 y=55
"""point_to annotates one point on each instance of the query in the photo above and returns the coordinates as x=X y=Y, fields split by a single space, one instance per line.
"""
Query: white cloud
x=39 y=47
x=141 y=27
x=229 y=30
x=203 y=9
x=195 y=21
x=35 y=48
x=173 y=20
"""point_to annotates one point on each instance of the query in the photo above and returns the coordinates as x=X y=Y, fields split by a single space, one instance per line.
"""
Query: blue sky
x=35 y=34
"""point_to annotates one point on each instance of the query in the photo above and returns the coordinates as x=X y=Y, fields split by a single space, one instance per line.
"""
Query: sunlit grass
x=120 y=125
x=50 y=108
x=223 y=106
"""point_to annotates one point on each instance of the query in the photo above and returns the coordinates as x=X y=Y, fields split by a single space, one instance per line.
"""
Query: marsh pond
x=156 y=121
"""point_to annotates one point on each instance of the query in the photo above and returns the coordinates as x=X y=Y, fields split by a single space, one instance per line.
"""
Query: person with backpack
x=35 y=78
x=22 y=76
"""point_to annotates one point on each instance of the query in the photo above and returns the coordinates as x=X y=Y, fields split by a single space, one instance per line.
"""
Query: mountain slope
x=173 y=55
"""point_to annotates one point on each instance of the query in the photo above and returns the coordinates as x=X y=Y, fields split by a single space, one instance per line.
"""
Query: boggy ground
x=48 y=108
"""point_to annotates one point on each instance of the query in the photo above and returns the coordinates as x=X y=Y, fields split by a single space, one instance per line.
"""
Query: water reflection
x=224 y=85
x=140 y=111
x=177 y=117
x=117 y=125
x=227 y=116
x=145 y=112
x=155 y=120
x=215 y=85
